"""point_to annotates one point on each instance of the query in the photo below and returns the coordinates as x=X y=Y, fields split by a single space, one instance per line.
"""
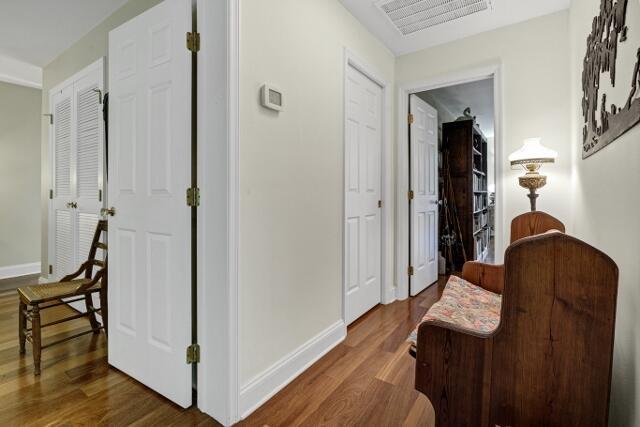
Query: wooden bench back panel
x=533 y=223
x=552 y=355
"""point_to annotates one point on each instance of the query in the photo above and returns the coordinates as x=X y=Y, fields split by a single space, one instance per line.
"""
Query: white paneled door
x=77 y=171
x=424 y=185
x=149 y=172
x=363 y=160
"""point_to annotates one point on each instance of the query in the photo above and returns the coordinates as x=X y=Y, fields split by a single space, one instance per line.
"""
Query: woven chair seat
x=51 y=291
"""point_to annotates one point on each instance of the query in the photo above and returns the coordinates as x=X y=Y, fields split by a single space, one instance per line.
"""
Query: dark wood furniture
x=533 y=223
x=549 y=361
x=465 y=148
x=34 y=299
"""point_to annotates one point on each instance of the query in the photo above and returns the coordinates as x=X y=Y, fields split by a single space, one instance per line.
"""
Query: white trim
x=19 y=270
x=96 y=65
x=262 y=387
x=387 y=291
x=234 y=204
x=20 y=73
x=402 y=162
x=218 y=163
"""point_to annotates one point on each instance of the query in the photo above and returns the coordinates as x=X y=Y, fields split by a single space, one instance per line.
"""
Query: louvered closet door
x=62 y=214
x=77 y=156
x=88 y=163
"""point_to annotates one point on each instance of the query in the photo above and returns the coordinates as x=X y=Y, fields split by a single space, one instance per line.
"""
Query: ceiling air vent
x=410 y=16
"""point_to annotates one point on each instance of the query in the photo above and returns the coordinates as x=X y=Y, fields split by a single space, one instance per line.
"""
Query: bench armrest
x=487 y=276
x=452 y=369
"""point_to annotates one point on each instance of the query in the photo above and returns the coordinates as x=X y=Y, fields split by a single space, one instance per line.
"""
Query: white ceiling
x=476 y=95
x=502 y=13
x=37 y=31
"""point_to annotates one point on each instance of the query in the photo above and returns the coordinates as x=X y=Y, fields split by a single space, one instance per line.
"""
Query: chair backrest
x=91 y=262
x=533 y=223
x=552 y=354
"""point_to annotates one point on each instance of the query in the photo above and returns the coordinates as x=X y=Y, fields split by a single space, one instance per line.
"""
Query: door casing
x=402 y=161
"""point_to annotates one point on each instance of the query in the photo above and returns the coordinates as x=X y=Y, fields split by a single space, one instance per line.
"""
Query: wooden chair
x=34 y=299
x=547 y=361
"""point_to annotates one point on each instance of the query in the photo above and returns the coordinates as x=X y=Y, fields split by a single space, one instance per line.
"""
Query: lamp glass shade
x=533 y=152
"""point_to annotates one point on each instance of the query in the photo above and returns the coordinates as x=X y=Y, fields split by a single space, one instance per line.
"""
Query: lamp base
x=532 y=181
x=532 y=198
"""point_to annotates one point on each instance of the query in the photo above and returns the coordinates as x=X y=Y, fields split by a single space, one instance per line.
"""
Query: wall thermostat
x=271 y=97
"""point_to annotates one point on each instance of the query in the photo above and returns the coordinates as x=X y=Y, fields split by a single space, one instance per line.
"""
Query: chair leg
x=104 y=310
x=88 y=301
x=36 y=337
x=22 y=324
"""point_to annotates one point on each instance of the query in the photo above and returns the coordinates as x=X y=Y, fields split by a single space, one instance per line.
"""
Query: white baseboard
x=261 y=388
x=12 y=271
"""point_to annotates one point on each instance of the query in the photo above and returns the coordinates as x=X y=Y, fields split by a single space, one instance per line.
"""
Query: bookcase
x=466 y=148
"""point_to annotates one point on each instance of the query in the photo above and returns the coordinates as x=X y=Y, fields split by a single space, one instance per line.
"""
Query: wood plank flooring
x=77 y=387
x=366 y=380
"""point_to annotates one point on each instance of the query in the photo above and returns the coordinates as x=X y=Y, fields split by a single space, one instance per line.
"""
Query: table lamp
x=531 y=156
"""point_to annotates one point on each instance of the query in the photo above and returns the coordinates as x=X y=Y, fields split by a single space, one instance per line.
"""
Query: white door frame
x=99 y=64
x=218 y=23
x=402 y=204
x=387 y=294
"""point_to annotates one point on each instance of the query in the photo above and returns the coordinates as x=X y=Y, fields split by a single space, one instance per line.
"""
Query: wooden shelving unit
x=467 y=151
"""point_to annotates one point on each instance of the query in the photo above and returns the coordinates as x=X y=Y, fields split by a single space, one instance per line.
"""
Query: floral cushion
x=466 y=306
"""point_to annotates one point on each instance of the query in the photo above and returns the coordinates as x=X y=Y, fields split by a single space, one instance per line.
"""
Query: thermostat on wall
x=271 y=97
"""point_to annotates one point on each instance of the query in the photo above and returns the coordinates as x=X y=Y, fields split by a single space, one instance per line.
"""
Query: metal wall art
x=604 y=123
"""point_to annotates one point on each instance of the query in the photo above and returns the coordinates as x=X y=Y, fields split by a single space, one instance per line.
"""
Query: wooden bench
x=546 y=359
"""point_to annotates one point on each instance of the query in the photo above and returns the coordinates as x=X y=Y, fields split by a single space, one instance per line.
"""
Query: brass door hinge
x=410 y=271
x=50 y=118
x=193 y=197
x=380 y=203
x=99 y=195
x=50 y=269
x=410 y=119
x=193 y=41
x=51 y=194
x=193 y=354
x=410 y=195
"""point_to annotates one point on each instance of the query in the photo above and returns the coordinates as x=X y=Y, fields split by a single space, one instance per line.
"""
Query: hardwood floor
x=366 y=380
x=77 y=386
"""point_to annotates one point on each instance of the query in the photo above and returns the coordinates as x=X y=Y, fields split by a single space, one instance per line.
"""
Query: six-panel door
x=424 y=184
x=149 y=172
x=363 y=148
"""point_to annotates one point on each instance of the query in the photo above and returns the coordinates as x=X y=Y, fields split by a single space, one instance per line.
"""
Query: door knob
x=108 y=212
x=72 y=205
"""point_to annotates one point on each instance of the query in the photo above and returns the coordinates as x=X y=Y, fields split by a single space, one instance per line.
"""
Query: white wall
x=291 y=172
x=535 y=71
x=606 y=206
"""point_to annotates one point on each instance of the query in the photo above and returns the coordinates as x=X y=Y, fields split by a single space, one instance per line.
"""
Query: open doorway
x=452 y=186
